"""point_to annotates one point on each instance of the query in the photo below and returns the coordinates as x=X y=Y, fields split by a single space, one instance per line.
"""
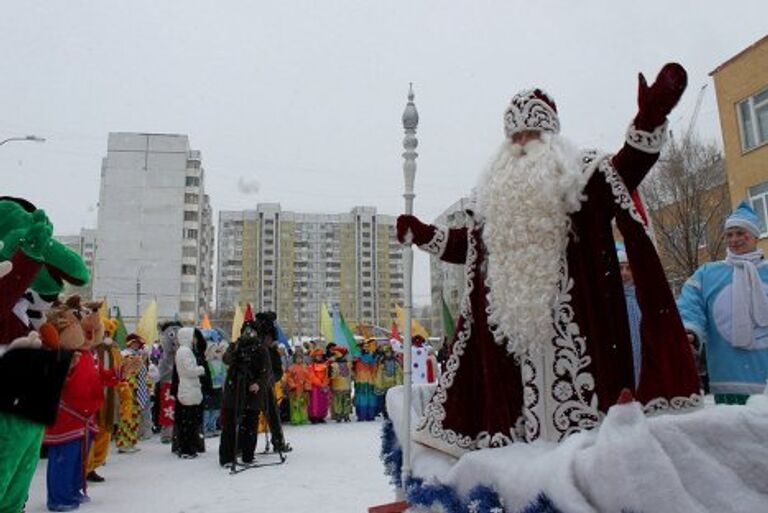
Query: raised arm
x=646 y=133
x=449 y=245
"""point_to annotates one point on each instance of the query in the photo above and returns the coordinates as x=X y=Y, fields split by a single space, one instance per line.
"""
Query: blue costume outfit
x=725 y=304
x=705 y=306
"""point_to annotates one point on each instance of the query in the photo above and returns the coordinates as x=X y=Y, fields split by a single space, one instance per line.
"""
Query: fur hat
x=532 y=109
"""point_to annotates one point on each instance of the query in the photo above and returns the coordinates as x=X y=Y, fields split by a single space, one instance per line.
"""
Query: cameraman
x=249 y=390
x=244 y=398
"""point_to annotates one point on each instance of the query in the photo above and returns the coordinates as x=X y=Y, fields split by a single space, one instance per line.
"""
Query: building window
x=188 y=251
x=190 y=233
x=758 y=195
x=753 y=120
x=188 y=269
x=191 y=198
x=192 y=181
x=187 y=306
x=190 y=216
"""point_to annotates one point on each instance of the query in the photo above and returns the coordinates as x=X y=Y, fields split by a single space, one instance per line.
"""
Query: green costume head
x=27 y=228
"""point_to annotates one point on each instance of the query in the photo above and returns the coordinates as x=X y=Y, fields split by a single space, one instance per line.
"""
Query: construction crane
x=694 y=116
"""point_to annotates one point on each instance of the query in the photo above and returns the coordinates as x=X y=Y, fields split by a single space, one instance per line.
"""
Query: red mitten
x=422 y=233
x=658 y=100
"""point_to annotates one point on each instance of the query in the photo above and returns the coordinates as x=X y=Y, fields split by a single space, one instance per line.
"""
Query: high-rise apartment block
x=447 y=281
x=292 y=263
x=154 y=237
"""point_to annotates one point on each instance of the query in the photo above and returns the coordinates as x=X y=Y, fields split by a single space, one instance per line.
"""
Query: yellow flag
x=416 y=327
x=147 y=326
x=326 y=325
x=104 y=310
x=206 y=324
x=237 y=322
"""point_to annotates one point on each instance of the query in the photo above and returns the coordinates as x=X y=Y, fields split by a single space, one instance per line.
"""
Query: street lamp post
x=138 y=288
x=32 y=138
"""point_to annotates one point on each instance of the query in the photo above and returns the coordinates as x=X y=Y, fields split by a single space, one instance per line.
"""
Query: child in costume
x=214 y=355
x=423 y=361
x=298 y=385
x=133 y=394
x=318 y=394
x=69 y=438
x=341 y=385
x=389 y=373
x=366 y=400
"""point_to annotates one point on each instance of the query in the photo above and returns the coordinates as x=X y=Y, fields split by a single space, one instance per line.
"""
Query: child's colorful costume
x=341 y=386
x=389 y=373
x=318 y=394
x=366 y=400
x=299 y=386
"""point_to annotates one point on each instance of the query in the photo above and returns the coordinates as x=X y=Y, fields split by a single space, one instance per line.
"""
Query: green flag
x=350 y=338
x=120 y=331
x=448 y=326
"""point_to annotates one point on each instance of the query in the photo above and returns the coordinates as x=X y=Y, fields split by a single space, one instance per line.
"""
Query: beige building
x=292 y=263
x=741 y=84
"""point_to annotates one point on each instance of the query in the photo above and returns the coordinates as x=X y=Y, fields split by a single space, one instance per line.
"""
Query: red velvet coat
x=81 y=398
x=487 y=398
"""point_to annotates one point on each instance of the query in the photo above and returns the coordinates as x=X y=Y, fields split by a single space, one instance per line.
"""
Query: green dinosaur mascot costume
x=33 y=269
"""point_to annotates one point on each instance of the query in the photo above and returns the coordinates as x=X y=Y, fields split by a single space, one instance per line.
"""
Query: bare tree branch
x=687 y=197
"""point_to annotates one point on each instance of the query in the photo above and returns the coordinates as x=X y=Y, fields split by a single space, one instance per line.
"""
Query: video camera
x=262 y=325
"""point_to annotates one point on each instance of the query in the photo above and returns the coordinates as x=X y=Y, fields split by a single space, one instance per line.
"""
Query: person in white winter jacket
x=189 y=396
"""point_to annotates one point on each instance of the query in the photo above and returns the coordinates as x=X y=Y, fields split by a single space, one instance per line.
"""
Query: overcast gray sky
x=305 y=97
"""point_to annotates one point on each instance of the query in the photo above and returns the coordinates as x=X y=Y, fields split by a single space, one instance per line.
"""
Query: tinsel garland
x=391 y=454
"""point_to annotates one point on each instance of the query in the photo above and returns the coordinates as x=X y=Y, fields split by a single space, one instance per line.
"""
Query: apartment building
x=154 y=235
x=292 y=263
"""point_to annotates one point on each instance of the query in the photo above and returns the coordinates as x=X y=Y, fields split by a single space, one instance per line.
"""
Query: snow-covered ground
x=333 y=468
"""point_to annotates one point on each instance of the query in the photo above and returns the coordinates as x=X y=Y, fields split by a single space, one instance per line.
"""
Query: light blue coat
x=705 y=306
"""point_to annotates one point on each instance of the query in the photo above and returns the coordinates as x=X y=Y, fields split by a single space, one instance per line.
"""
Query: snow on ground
x=333 y=468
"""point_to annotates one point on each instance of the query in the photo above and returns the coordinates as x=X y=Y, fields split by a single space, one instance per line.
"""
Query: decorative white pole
x=410 y=123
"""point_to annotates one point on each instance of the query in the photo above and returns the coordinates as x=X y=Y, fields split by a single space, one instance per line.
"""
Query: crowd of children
x=328 y=381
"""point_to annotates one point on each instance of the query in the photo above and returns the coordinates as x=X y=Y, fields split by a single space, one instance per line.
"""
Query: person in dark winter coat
x=272 y=409
x=247 y=374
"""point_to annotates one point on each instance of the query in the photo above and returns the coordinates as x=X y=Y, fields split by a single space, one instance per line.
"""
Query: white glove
x=5 y=267
x=32 y=340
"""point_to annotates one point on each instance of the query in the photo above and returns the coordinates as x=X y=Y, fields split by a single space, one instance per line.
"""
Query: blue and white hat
x=744 y=217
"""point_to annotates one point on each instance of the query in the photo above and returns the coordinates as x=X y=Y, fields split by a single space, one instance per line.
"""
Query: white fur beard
x=526 y=201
